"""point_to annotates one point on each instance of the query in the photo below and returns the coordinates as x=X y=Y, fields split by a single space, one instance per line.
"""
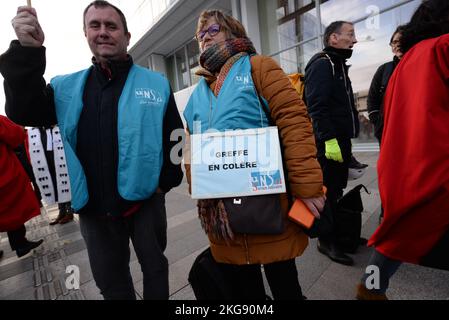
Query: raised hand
x=27 y=27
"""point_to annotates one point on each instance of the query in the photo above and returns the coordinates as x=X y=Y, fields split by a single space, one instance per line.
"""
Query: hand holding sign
x=27 y=27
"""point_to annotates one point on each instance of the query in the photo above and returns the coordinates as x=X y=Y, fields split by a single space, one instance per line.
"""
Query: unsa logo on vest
x=148 y=96
x=244 y=81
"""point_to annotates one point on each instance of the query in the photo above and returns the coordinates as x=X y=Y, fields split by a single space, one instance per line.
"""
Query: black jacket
x=29 y=101
x=377 y=93
x=329 y=97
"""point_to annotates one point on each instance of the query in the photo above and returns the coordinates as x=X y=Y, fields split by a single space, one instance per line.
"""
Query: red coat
x=18 y=203
x=413 y=166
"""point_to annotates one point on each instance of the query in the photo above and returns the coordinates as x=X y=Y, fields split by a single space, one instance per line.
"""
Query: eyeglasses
x=213 y=30
x=394 y=43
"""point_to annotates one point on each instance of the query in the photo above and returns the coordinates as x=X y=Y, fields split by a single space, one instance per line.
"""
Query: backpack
x=207 y=280
x=348 y=219
x=297 y=81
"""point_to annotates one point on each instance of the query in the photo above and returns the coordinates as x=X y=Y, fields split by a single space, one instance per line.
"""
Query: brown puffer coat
x=304 y=172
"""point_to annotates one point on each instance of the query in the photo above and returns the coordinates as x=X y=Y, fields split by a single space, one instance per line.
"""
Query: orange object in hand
x=301 y=214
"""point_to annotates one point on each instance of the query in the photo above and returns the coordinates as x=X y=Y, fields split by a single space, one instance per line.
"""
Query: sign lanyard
x=211 y=112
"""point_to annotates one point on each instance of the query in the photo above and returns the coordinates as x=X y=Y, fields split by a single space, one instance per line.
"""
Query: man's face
x=105 y=34
x=345 y=39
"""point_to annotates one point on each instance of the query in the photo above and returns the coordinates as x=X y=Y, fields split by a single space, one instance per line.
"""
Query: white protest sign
x=236 y=163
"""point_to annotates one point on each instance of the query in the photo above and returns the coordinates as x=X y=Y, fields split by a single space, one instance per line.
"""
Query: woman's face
x=395 y=45
x=212 y=33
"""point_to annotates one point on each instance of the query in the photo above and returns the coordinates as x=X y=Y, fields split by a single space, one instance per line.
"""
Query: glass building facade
x=291 y=31
x=184 y=63
x=141 y=15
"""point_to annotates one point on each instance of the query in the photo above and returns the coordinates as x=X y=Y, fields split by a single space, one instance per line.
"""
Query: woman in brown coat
x=224 y=45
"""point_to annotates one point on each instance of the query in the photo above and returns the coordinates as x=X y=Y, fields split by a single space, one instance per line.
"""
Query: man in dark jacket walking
x=330 y=102
x=116 y=119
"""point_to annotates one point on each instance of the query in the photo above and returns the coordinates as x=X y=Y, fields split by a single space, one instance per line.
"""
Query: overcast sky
x=67 y=49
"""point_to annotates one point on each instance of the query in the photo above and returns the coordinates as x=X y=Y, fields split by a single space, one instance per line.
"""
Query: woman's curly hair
x=430 y=20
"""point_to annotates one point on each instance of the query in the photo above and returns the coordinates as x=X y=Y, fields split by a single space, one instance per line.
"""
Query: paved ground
x=41 y=275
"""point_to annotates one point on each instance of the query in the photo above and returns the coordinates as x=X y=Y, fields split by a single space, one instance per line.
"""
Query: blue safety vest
x=141 y=111
x=237 y=106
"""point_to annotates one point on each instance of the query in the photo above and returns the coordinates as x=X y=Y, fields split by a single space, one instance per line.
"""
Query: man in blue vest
x=116 y=120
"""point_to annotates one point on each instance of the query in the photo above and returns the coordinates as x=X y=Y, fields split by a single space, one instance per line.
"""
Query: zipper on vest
x=100 y=150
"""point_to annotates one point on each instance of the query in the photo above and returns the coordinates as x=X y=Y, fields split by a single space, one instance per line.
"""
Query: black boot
x=334 y=253
x=62 y=212
x=27 y=247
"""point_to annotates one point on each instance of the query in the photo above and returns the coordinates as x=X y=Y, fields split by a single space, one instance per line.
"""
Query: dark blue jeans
x=107 y=241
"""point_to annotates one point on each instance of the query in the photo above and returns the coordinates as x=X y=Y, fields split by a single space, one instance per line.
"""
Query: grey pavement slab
x=186 y=293
x=90 y=291
x=80 y=259
x=15 y=284
x=177 y=203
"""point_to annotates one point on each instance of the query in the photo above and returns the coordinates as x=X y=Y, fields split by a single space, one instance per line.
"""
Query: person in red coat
x=413 y=166
x=18 y=202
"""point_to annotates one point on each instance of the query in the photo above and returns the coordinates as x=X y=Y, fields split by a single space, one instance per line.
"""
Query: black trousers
x=335 y=176
x=17 y=238
x=107 y=242
x=247 y=282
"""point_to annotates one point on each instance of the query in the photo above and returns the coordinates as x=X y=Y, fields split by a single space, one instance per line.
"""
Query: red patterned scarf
x=220 y=57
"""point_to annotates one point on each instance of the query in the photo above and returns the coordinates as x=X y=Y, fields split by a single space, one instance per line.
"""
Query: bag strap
x=266 y=109
x=323 y=55
x=360 y=187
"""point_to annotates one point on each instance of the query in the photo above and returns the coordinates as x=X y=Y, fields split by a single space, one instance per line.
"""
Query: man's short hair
x=334 y=27
x=104 y=4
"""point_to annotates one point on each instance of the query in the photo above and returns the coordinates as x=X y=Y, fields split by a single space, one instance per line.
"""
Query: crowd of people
x=99 y=151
